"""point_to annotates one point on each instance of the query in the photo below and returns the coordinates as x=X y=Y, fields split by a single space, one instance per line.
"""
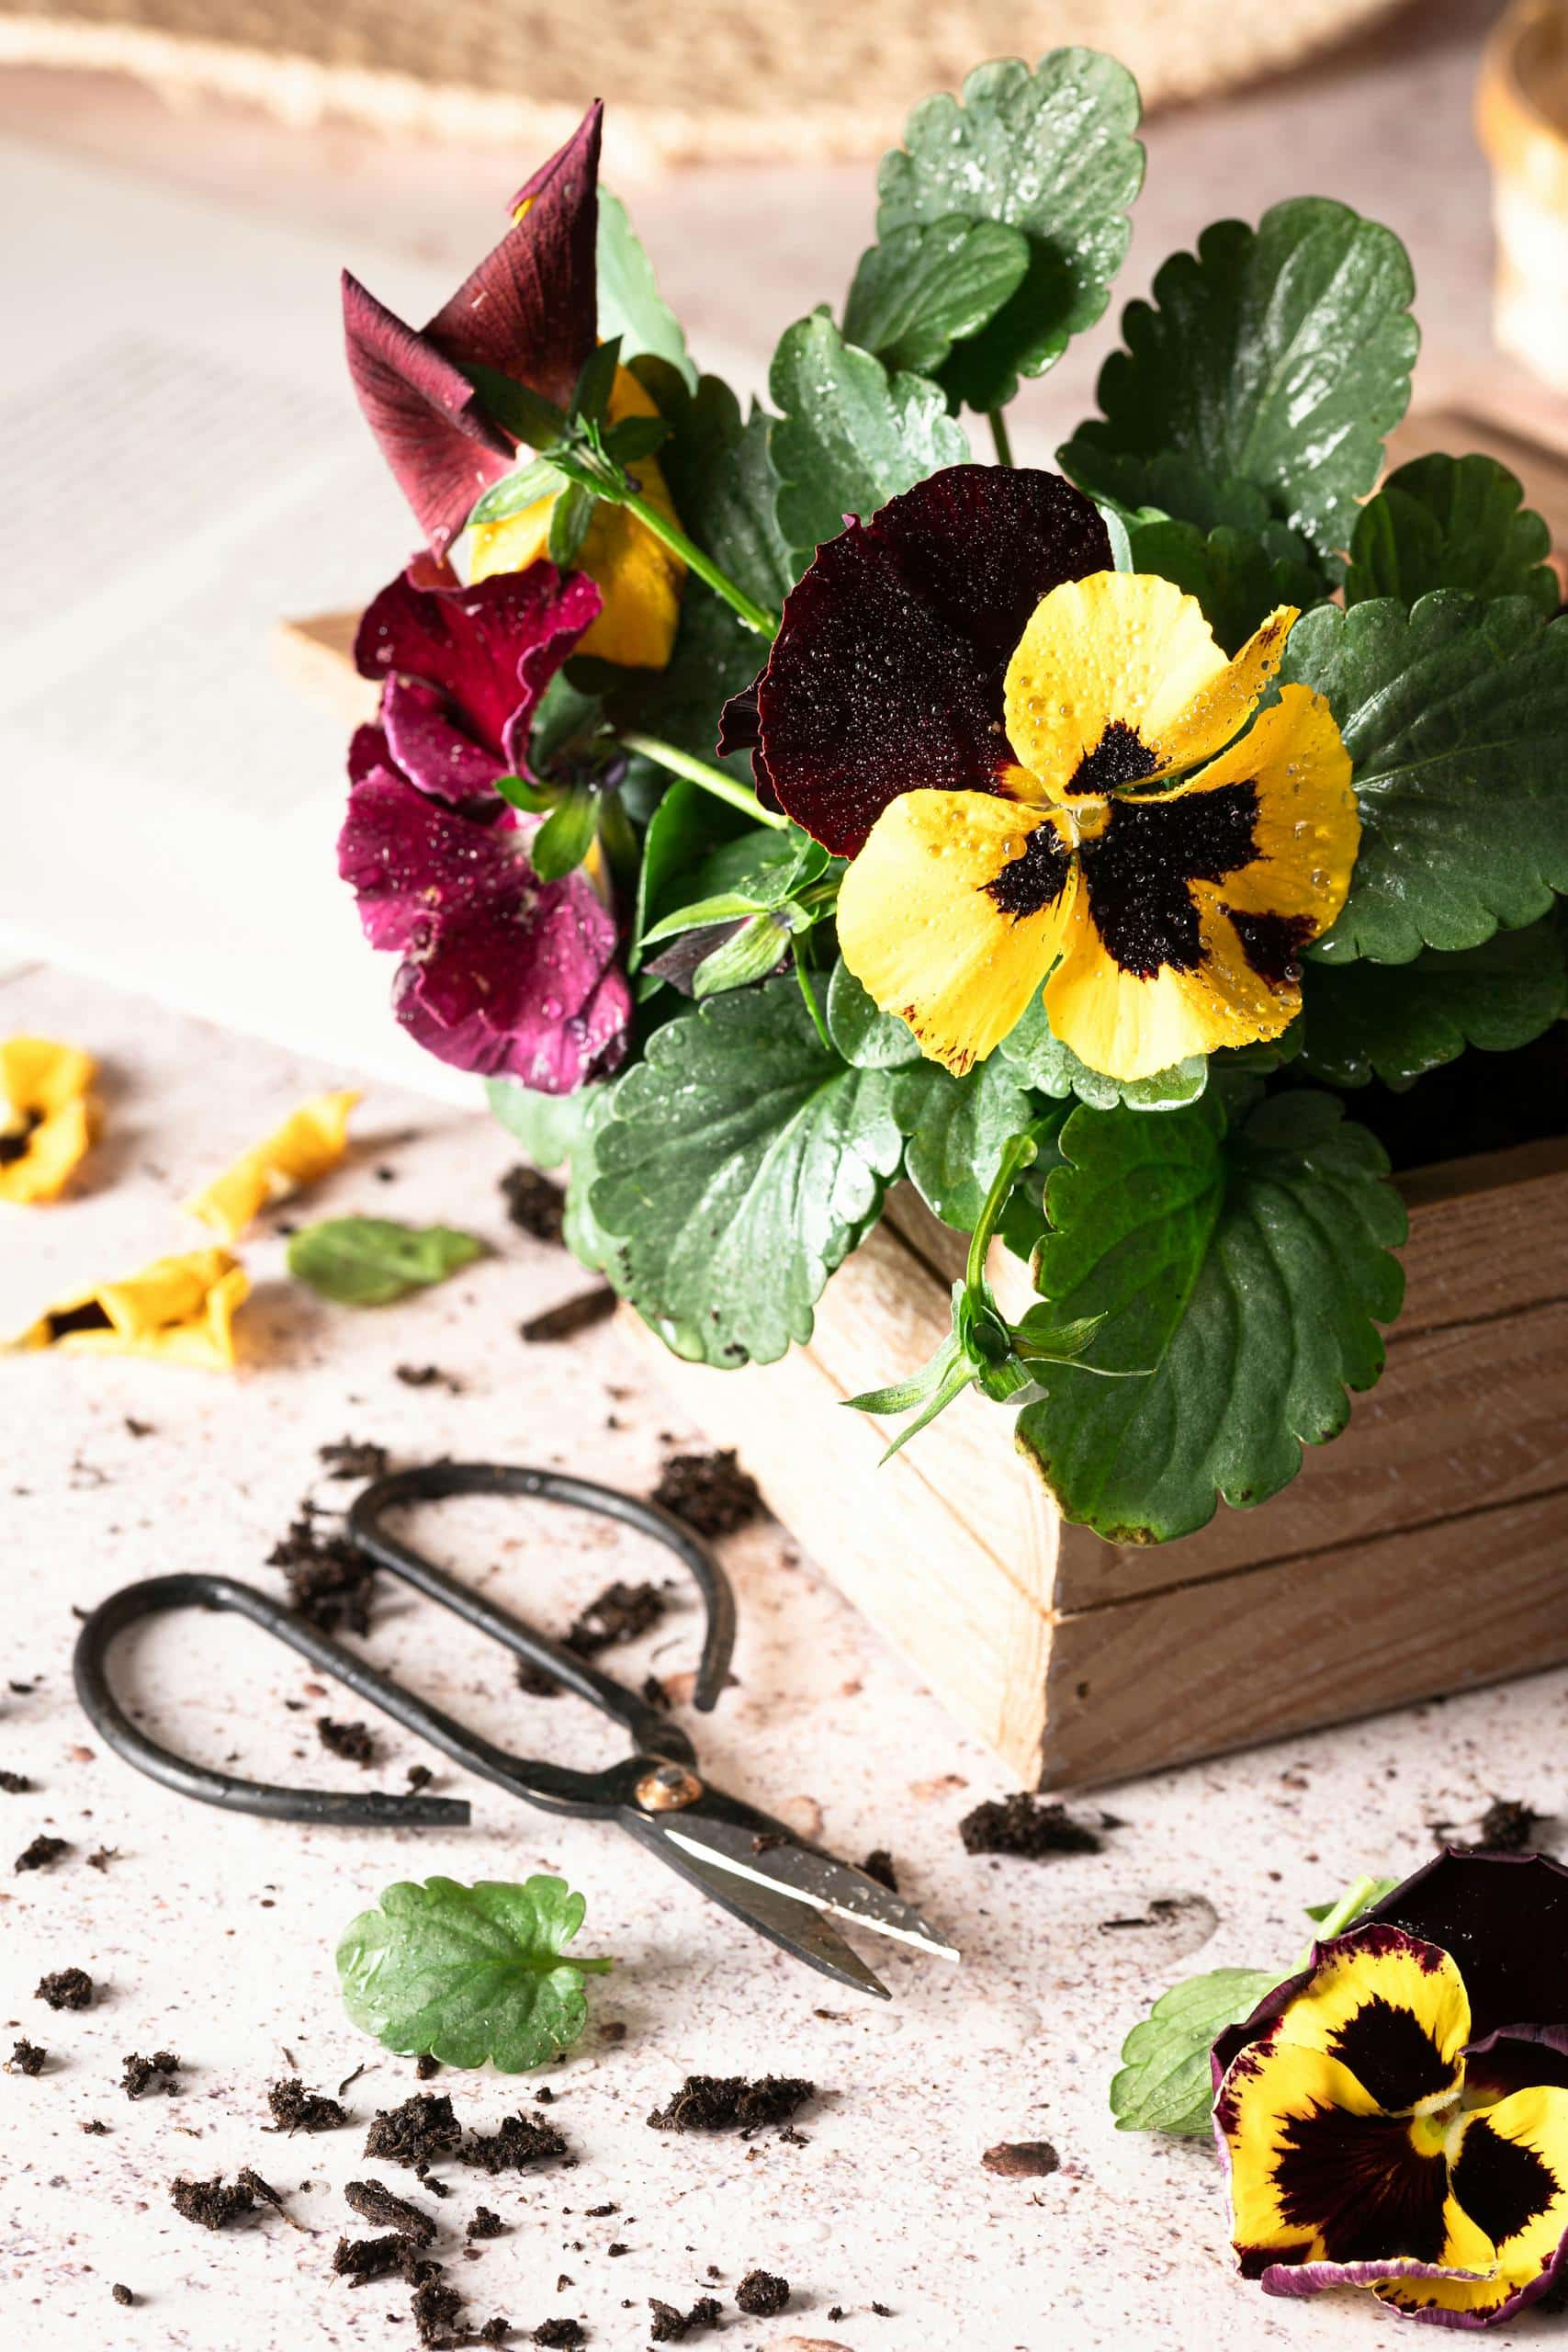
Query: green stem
x=809 y=993
x=1019 y=1151
x=755 y=616
x=1354 y=1899
x=712 y=779
x=1000 y=436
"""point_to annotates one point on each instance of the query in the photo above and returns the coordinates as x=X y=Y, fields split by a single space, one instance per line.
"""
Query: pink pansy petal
x=429 y=748
x=443 y=451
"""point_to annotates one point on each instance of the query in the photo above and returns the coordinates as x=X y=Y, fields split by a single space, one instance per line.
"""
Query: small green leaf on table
x=1166 y=2084
x=1052 y=153
x=1452 y=523
x=926 y=287
x=848 y=437
x=1455 y=715
x=473 y=1975
x=371 y=1260
x=630 y=304
x=1398 y=1021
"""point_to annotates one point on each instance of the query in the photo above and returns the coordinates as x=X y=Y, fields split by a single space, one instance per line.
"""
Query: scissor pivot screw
x=667 y=1788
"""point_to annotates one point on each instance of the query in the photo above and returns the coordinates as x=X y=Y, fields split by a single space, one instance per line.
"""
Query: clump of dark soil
x=295 y=2108
x=352 y=1458
x=560 y=2335
x=363 y=2260
x=427 y=1376
x=878 y=1864
x=709 y=1492
x=158 y=2072
x=622 y=1613
x=356 y=1743
x=426 y=2064
x=729 y=2103
x=66 y=1988
x=26 y=2058
x=43 y=1853
x=14 y=1784
x=1022 y=2159
x=1508 y=1826
x=534 y=1202
x=417 y=2133
x=580 y=1313
x=483 y=2223
x=762 y=2294
x=522 y=2144
x=386 y=2210
x=122 y=2294
x=329 y=1578
x=672 y=2326
x=214 y=2204
x=1026 y=1825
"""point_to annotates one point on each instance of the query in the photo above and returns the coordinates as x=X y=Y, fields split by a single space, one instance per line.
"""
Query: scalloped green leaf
x=1239 y=578
x=1041 y=1060
x=741 y=1162
x=867 y=1037
x=630 y=304
x=958 y=1128
x=1398 y=1021
x=1452 y=523
x=1166 y=2084
x=848 y=437
x=1052 y=152
x=1244 y=1269
x=1276 y=357
x=924 y=287
x=546 y=1125
x=1455 y=715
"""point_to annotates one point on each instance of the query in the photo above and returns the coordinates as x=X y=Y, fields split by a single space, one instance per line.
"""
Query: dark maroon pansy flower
x=886 y=674
x=529 y=310
x=501 y=973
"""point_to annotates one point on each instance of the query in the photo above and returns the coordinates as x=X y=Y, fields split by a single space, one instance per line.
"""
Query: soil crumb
x=762 y=2294
x=374 y=2202
x=66 y=1988
x=729 y=2103
x=352 y=1458
x=1026 y=1825
x=16 y=1784
x=878 y=1864
x=356 y=1743
x=329 y=1579
x=534 y=1202
x=158 y=2072
x=622 y=1613
x=709 y=1492
x=1022 y=2159
x=423 y=2129
x=26 y=2058
x=672 y=2326
x=43 y=1853
x=214 y=2204
x=295 y=2108
x=483 y=2223
x=103 y=1857
x=572 y=1316
x=520 y=2145
x=363 y=2260
x=428 y=1375
x=1508 y=1826
x=560 y=2335
x=122 y=2294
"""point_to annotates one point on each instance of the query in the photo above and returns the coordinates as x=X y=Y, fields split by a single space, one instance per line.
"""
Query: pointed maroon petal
x=887 y=674
x=444 y=452
x=531 y=307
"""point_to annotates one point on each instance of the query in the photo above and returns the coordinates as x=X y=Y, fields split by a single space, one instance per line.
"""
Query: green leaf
x=533 y=799
x=926 y=287
x=683 y=826
x=721 y=481
x=570 y=518
x=741 y=1164
x=565 y=838
x=538 y=479
x=596 y=380
x=370 y=1260
x=1039 y=1060
x=1245 y=1269
x=1050 y=152
x=581 y=1230
x=474 y=1975
x=1276 y=357
x=1166 y=2084
x=531 y=420
x=1455 y=717
x=870 y=1039
x=1235 y=575
x=958 y=1129
x=546 y=1125
x=849 y=438
x=630 y=304
x=635 y=436
x=750 y=953
x=1398 y=1021
x=1452 y=523
x=729 y=906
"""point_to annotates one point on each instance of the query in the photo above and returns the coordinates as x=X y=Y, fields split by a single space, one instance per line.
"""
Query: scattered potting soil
x=356 y=1743
x=158 y=2072
x=103 y=1857
x=26 y=2058
x=1022 y=2159
x=762 y=2294
x=709 y=1492
x=66 y=1988
x=14 y=1784
x=534 y=1202
x=878 y=1864
x=416 y=2133
x=672 y=2326
x=122 y=2294
x=420 y=1776
x=295 y=2108
x=483 y=2223
x=427 y=1376
x=425 y=2064
x=329 y=1578
x=520 y=2145
x=43 y=1854
x=363 y=2260
x=729 y=2103
x=352 y=1458
x=437 y=2307
x=622 y=1613
x=654 y=1694
x=214 y=2204
x=1508 y=1826
x=1026 y=1825
x=572 y=1316
x=381 y=2207
x=560 y=2335
x=96 y=2127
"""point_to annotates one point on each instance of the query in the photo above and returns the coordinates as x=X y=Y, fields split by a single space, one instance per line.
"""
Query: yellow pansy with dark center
x=1376 y=2140
x=1048 y=775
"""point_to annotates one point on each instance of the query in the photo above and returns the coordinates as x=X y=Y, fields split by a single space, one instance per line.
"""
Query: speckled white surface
x=214 y=1936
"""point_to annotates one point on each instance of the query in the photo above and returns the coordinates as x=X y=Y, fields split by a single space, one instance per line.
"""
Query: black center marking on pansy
x=1138 y=870
x=90 y=1317
x=1120 y=756
x=1391 y=2053
x=1359 y=2182
x=15 y=1141
x=1502 y=2186
x=1029 y=883
x=1273 y=944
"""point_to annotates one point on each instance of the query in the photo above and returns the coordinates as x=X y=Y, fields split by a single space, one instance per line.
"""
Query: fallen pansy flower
x=968 y=703
x=47 y=1116
x=181 y=1309
x=308 y=1146
x=528 y=312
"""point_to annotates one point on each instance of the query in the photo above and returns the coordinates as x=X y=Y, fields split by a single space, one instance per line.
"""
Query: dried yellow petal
x=308 y=1146
x=180 y=1309
x=47 y=1116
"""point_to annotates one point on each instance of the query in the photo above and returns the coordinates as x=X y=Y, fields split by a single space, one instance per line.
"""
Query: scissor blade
x=775 y=1858
x=796 y=1926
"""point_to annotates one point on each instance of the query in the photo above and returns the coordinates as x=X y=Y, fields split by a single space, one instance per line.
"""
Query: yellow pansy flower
x=179 y=1309
x=47 y=1116
x=309 y=1145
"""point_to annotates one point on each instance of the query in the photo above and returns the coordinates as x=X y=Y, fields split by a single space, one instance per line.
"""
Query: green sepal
x=595 y=380
x=565 y=838
x=520 y=792
x=635 y=436
x=538 y=479
x=1452 y=523
x=750 y=953
x=570 y=518
x=534 y=422
x=928 y=286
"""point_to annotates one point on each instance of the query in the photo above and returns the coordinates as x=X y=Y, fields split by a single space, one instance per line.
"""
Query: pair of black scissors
x=753 y=1866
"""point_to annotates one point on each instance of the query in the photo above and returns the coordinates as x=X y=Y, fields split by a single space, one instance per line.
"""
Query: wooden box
x=1423 y=1552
